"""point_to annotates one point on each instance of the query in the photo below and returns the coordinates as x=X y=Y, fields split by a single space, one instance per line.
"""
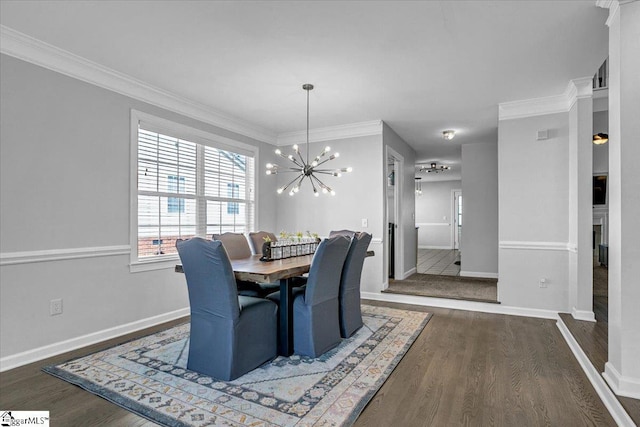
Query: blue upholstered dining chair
x=230 y=334
x=347 y=233
x=237 y=247
x=316 y=324
x=350 y=313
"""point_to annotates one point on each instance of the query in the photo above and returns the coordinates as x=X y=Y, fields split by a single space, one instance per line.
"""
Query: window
x=233 y=191
x=187 y=183
x=175 y=185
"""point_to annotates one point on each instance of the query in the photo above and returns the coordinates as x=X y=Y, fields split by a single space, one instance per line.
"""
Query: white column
x=622 y=371
x=580 y=200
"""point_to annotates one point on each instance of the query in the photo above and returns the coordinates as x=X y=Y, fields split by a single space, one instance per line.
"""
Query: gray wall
x=479 y=210
x=533 y=212
x=433 y=214
x=358 y=196
x=64 y=181
x=407 y=198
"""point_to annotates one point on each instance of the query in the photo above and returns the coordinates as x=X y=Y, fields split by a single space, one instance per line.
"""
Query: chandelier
x=434 y=168
x=305 y=169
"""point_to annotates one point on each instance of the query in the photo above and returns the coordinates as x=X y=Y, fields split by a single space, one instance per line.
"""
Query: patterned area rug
x=148 y=376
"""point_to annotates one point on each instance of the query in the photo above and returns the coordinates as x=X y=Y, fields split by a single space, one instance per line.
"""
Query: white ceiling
x=422 y=67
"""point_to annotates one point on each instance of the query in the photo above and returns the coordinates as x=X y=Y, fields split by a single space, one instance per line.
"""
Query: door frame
x=454 y=218
x=398 y=165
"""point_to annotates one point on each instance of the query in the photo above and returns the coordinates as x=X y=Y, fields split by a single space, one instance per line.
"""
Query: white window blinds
x=187 y=189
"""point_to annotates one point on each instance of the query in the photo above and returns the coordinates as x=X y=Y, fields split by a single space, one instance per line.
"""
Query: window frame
x=198 y=136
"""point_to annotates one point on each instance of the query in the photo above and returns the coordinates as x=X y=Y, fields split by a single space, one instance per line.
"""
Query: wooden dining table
x=282 y=271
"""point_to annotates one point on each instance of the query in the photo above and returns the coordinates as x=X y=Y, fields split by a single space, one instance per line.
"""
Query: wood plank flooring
x=465 y=368
x=593 y=339
x=477 y=369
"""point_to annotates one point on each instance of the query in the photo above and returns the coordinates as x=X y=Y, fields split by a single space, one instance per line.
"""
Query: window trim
x=181 y=131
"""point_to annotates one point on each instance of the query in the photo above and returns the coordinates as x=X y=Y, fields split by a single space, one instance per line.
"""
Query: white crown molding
x=609 y=399
x=30 y=356
x=576 y=89
x=12 y=258
x=26 y=48
x=538 y=246
x=331 y=133
x=581 y=88
x=613 y=6
x=532 y=107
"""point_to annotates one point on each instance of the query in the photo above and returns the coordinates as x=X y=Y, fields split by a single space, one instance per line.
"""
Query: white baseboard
x=622 y=386
x=409 y=273
x=30 y=356
x=599 y=384
x=448 y=247
x=585 y=315
x=484 y=307
x=478 y=274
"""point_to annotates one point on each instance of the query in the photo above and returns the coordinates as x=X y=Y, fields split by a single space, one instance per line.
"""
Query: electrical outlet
x=55 y=307
x=365 y=223
x=543 y=283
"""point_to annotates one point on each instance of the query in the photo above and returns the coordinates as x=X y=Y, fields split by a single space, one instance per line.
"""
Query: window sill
x=154 y=264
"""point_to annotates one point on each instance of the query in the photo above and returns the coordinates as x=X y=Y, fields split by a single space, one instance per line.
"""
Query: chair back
x=210 y=278
x=352 y=270
x=257 y=240
x=235 y=244
x=347 y=233
x=323 y=283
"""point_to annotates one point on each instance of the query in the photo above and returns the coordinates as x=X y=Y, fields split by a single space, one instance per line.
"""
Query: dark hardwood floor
x=465 y=368
x=477 y=369
x=593 y=337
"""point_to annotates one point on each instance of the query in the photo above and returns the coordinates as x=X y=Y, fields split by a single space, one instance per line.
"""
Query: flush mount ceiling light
x=434 y=168
x=305 y=169
x=600 y=138
x=448 y=134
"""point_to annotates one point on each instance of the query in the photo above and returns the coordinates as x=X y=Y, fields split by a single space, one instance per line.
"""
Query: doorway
x=456 y=217
x=393 y=188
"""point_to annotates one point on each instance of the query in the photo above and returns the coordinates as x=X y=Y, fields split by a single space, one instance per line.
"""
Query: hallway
x=438 y=262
